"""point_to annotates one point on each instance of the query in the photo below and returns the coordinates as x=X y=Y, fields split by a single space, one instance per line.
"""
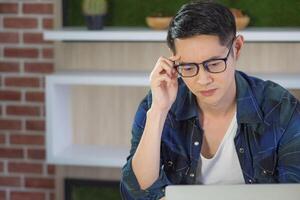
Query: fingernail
x=176 y=57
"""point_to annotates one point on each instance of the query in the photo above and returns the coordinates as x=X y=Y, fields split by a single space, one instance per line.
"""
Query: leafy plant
x=161 y=8
x=94 y=7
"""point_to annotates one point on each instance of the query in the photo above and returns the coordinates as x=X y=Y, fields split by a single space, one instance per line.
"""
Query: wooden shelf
x=290 y=81
x=61 y=150
x=99 y=78
x=104 y=156
x=59 y=136
x=147 y=35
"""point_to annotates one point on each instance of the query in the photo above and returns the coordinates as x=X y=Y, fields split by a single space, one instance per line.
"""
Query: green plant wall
x=263 y=13
x=270 y=13
x=95 y=193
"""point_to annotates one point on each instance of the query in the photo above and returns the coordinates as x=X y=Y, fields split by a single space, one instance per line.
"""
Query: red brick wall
x=25 y=59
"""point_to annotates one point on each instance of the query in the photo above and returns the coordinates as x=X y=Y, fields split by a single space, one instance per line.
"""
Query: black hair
x=202 y=18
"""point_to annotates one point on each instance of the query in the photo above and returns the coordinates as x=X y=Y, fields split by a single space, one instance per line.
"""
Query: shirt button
x=264 y=172
x=170 y=163
x=196 y=143
x=192 y=175
x=241 y=150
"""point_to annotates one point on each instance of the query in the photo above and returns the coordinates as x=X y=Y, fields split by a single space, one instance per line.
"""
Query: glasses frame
x=204 y=64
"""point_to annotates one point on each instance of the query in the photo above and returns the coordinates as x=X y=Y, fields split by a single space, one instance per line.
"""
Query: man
x=213 y=125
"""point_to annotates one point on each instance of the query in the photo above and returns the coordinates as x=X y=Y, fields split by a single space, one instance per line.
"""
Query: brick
x=51 y=169
x=10 y=95
x=20 y=22
x=6 y=124
x=8 y=8
x=2 y=139
x=1 y=167
x=48 y=23
x=52 y=196
x=35 y=96
x=9 y=37
x=16 y=195
x=21 y=167
x=9 y=67
x=46 y=183
x=27 y=139
x=22 y=81
x=37 y=154
x=35 y=125
x=21 y=52
x=39 y=67
x=23 y=110
x=37 y=8
x=48 y=53
x=11 y=153
x=34 y=38
x=10 y=181
x=2 y=195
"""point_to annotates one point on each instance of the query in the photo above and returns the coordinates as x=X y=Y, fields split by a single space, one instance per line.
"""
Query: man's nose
x=203 y=76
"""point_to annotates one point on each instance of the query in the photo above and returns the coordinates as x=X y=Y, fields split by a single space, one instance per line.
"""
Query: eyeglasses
x=217 y=65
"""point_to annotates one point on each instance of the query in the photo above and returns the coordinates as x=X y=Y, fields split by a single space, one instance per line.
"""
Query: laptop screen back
x=234 y=192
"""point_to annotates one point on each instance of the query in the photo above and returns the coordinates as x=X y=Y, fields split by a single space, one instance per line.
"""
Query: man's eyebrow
x=211 y=58
x=214 y=57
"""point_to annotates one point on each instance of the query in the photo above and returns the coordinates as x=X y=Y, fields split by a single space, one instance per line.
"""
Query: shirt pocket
x=175 y=167
x=265 y=166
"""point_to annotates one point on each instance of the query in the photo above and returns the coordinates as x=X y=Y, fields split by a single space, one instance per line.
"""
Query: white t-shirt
x=224 y=166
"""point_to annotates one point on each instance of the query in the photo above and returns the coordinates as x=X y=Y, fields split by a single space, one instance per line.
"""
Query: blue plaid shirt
x=267 y=140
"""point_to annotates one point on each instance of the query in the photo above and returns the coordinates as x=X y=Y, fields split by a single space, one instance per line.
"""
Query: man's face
x=211 y=89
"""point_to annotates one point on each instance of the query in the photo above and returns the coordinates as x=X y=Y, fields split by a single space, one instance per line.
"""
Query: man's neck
x=226 y=107
x=219 y=111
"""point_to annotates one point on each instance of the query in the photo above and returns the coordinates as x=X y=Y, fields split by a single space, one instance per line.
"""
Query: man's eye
x=214 y=63
x=188 y=67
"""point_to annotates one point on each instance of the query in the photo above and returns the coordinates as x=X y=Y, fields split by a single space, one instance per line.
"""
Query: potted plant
x=242 y=20
x=94 y=11
x=159 y=19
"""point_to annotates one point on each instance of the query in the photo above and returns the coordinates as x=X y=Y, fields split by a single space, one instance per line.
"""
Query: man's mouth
x=208 y=93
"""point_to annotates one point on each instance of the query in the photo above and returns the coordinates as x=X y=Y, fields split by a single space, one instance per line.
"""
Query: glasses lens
x=187 y=70
x=215 y=66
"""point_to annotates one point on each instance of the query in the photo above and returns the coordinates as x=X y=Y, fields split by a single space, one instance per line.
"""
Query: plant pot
x=94 y=22
x=241 y=19
x=242 y=22
x=158 y=23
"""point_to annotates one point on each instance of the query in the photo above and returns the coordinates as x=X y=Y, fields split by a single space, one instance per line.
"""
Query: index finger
x=174 y=58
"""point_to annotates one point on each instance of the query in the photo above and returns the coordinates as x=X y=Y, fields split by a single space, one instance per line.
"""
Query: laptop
x=234 y=192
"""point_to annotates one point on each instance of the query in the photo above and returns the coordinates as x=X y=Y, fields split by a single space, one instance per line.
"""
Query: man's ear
x=238 y=45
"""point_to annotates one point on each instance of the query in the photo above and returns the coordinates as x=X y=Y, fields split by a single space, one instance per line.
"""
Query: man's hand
x=164 y=85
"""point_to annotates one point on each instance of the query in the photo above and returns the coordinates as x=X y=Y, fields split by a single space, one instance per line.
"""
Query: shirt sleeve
x=289 y=151
x=129 y=184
